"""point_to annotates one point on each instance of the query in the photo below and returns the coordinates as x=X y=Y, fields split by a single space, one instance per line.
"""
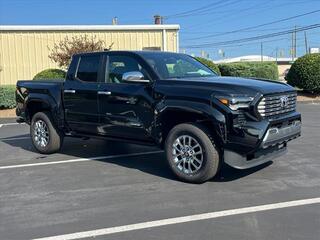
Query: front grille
x=272 y=105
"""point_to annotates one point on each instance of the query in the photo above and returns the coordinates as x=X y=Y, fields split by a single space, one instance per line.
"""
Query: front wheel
x=46 y=138
x=191 y=153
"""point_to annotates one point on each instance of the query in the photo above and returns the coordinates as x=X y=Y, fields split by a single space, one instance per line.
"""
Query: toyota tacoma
x=170 y=100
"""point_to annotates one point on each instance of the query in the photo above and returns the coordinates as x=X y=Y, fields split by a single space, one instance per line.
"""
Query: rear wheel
x=191 y=153
x=46 y=138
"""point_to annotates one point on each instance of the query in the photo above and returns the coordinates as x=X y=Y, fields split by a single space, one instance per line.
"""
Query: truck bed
x=50 y=90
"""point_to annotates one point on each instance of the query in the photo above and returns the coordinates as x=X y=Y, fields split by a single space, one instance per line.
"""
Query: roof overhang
x=88 y=27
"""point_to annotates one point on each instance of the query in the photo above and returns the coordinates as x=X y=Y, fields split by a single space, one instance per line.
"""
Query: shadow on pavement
x=154 y=164
x=228 y=174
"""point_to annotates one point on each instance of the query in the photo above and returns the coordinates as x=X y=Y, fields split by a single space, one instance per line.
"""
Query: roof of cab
x=138 y=52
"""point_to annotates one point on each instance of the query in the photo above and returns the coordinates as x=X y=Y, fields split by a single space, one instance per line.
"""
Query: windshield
x=176 y=66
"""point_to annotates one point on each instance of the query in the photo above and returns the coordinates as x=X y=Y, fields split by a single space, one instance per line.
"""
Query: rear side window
x=88 y=68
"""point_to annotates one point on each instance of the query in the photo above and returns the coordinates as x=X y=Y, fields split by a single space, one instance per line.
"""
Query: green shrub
x=50 y=74
x=266 y=70
x=305 y=73
x=7 y=96
x=209 y=64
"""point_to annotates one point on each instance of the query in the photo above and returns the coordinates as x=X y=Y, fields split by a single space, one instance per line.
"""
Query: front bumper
x=279 y=135
x=238 y=161
x=273 y=145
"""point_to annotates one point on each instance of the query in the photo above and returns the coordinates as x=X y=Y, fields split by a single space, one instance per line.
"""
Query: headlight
x=237 y=102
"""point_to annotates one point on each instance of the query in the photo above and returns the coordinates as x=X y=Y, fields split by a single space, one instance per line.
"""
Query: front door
x=80 y=95
x=126 y=109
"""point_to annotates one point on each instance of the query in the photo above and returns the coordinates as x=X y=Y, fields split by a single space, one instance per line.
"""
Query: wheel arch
x=200 y=113
x=39 y=103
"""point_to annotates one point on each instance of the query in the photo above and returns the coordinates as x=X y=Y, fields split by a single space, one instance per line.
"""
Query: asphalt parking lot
x=107 y=186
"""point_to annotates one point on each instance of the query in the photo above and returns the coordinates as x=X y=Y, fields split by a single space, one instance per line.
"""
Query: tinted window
x=176 y=66
x=88 y=68
x=118 y=65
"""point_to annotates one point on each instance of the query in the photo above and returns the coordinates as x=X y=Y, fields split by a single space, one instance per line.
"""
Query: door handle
x=104 y=93
x=69 y=91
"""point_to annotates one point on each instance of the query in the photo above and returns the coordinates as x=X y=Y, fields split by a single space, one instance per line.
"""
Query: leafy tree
x=63 y=51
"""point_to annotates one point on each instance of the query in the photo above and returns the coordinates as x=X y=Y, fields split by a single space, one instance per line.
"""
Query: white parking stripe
x=78 y=160
x=10 y=124
x=185 y=219
x=14 y=138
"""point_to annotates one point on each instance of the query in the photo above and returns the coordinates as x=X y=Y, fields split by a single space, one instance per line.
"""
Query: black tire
x=210 y=153
x=55 y=138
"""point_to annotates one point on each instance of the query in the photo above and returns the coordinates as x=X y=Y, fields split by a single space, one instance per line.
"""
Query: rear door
x=126 y=109
x=80 y=94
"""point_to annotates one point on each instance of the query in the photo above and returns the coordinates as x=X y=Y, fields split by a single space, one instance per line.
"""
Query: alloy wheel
x=41 y=133
x=187 y=154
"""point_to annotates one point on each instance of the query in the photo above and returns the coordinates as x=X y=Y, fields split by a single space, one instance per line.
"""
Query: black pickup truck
x=171 y=100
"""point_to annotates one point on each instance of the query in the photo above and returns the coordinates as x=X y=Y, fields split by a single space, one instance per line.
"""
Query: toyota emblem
x=284 y=101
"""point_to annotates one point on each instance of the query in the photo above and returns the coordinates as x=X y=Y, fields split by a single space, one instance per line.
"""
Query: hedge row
x=209 y=64
x=7 y=96
x=305 y=73
x=266 y=70
x=50 y=73
x=7 y=92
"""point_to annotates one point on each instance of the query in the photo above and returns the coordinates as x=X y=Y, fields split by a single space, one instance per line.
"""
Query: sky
x=206 y=25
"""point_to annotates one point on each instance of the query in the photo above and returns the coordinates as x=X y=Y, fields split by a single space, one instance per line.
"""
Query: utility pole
x=306 y=42
x=277 y=54
x=295 y=42
x=261 y=48
x=292 y=46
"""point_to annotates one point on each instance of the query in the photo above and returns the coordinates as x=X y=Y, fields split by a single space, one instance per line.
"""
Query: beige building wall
x=24 y=53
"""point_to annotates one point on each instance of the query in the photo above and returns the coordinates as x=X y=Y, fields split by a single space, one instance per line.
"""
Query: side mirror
x=134 y=77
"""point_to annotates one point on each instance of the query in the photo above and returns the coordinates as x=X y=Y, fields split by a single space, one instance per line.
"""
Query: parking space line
x=179 y=220
x=78 y=160
x=14 y=138
x=10 y=124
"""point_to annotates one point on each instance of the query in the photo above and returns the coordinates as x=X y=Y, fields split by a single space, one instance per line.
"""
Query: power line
x=207 y=10
x=227 y=17
x=228 y=13
x=255 y=43
x=256 y=30
x=257 y=26
x=249 y=44
x=260 y=4
x=195 y=10
x=254 y=38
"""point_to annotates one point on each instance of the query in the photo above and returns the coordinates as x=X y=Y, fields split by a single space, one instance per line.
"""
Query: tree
x=63 y=51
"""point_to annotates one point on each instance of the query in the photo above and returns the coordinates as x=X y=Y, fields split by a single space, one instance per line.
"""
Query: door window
x=118 y=65
x=88 y=68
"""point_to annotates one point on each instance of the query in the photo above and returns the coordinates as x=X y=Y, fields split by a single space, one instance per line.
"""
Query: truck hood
x=235 y=85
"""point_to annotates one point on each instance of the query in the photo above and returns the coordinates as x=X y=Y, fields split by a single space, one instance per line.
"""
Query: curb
x=309 y=102
x=5 y=120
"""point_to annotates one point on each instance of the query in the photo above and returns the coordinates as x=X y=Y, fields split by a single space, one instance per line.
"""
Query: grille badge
x=271 y=105
x=284 y=102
